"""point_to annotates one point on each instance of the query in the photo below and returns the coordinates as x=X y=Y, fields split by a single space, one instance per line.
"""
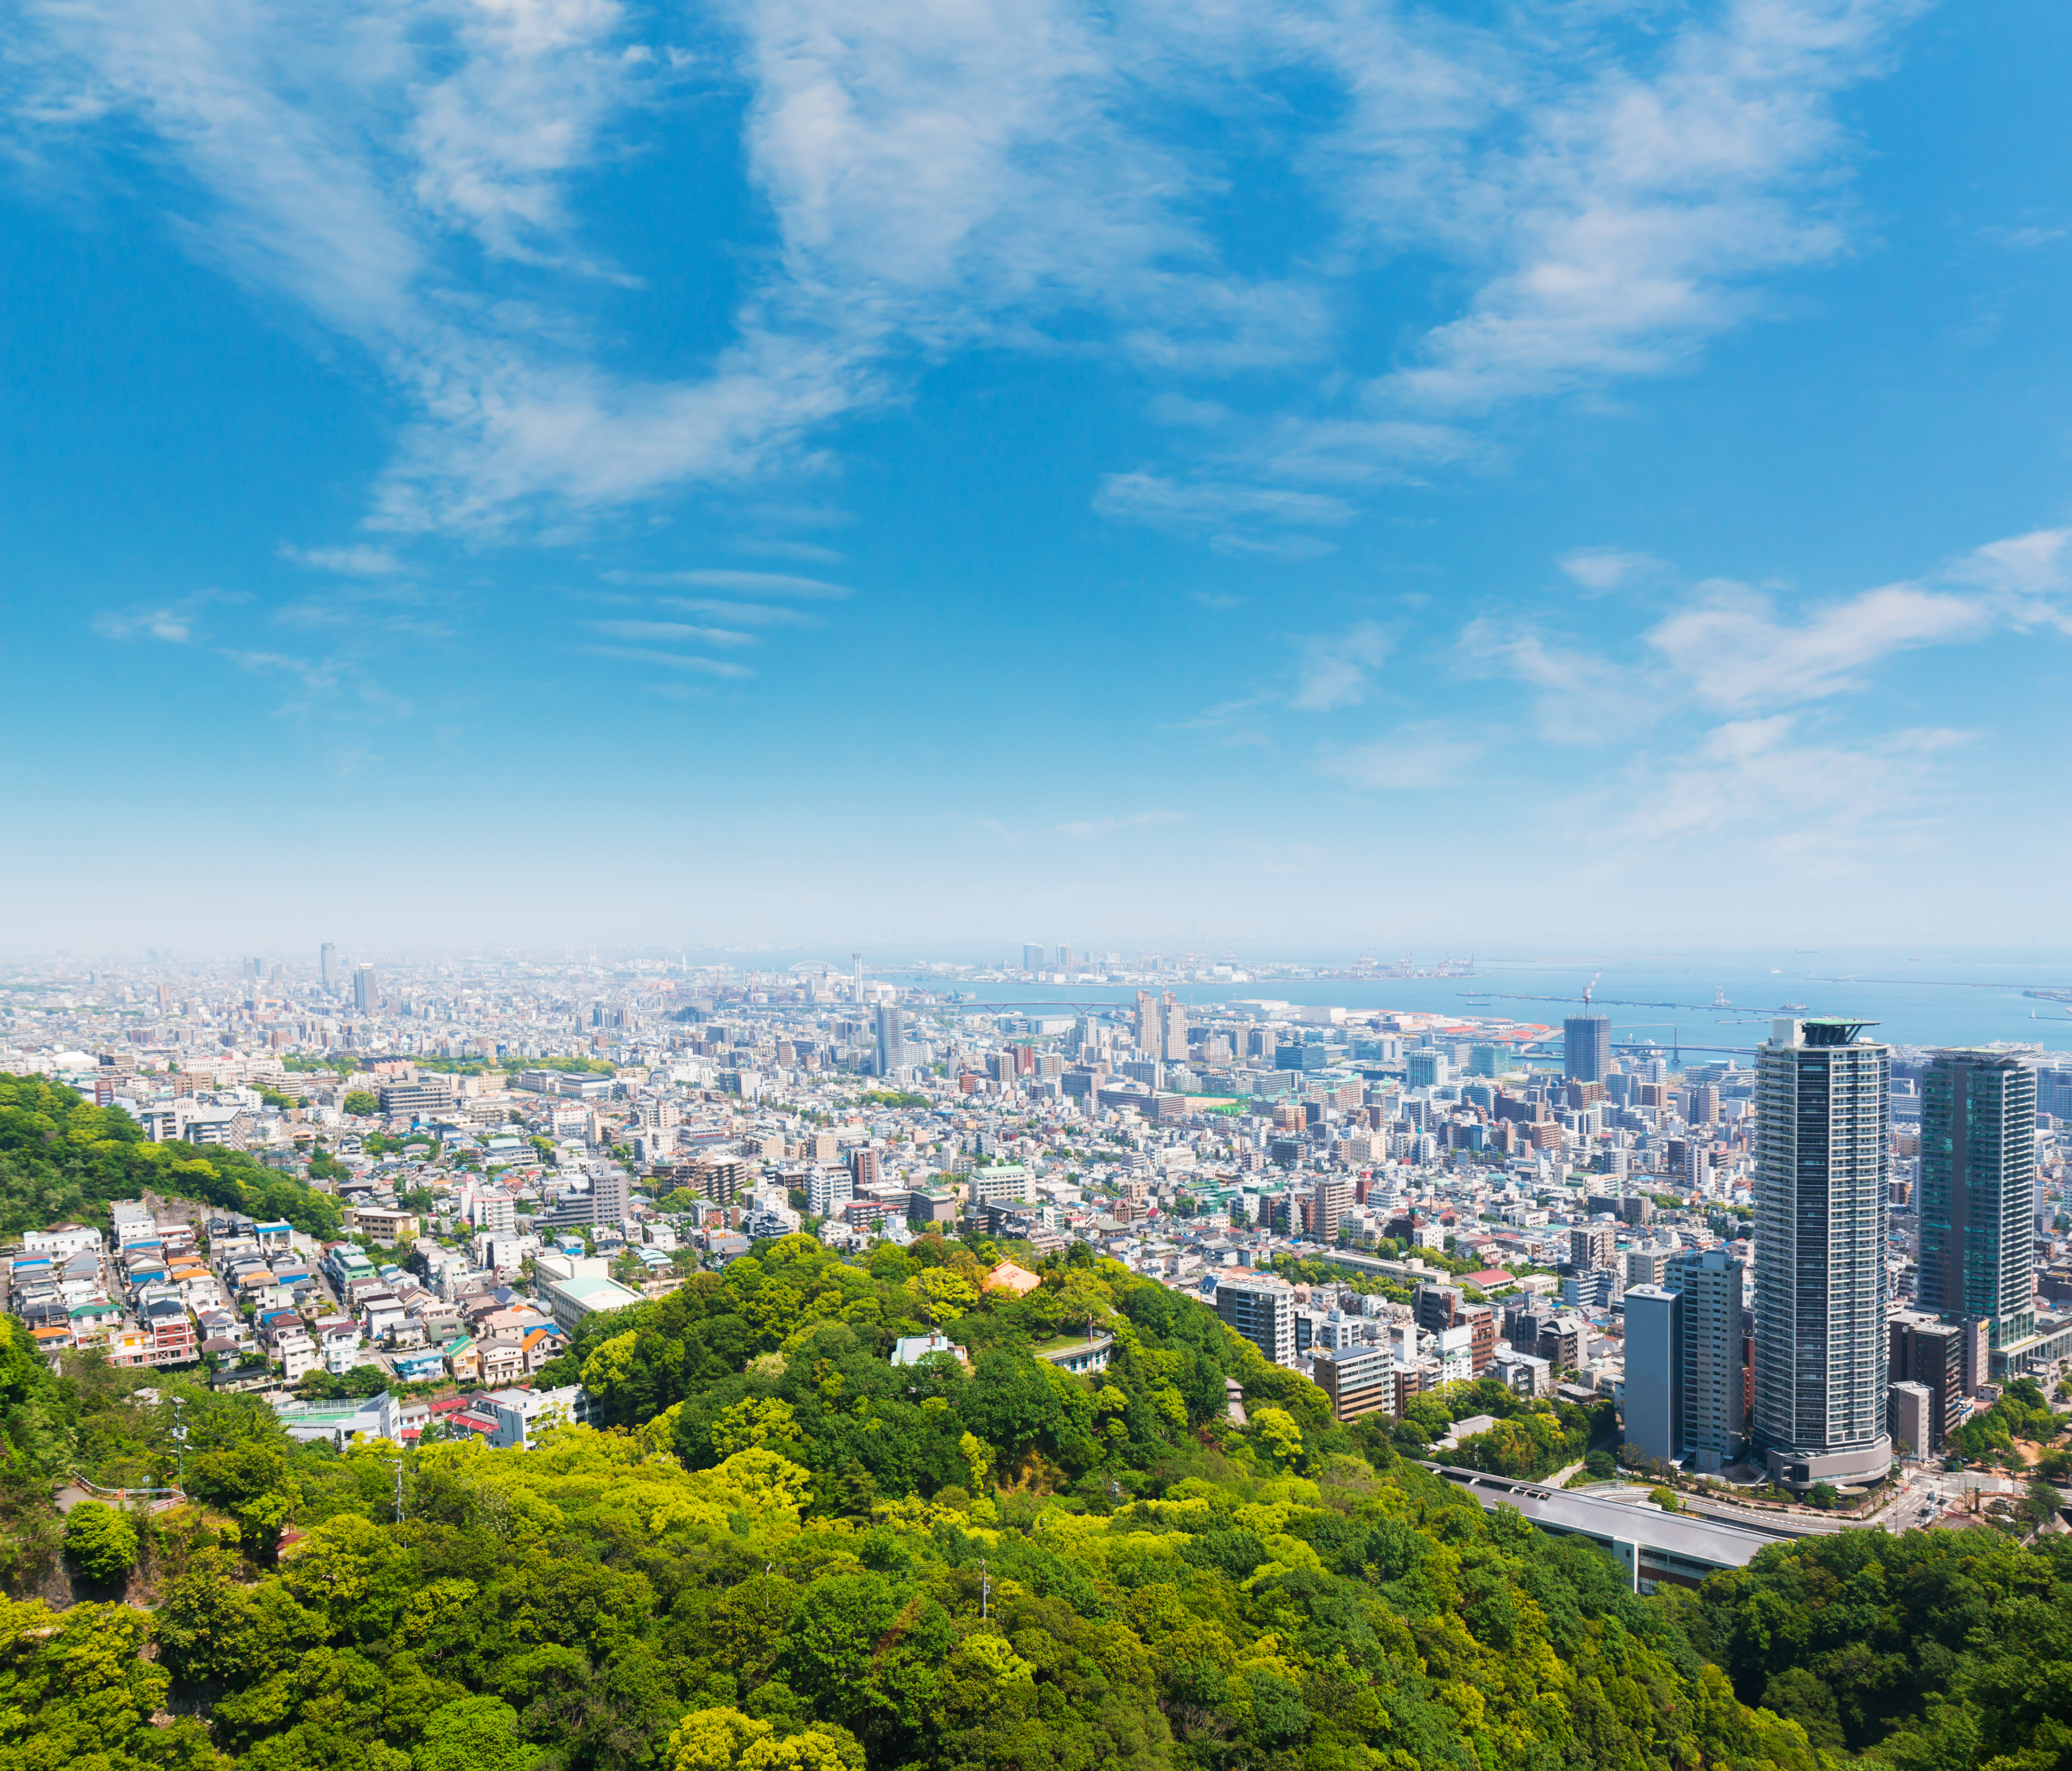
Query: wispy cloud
x=680 y=631
x=1598 y=570
x=1738 y=651
x=357 y=561
x=671 y=661
x=983 y=176
x=1413 y=758
x=1086 y=830
x=1334 y=668
x=175 y=622
x=742 y=583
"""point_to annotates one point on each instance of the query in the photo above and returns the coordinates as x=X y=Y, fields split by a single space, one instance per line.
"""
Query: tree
x=1823 y=1495
x=473 y=1733
x=361 y=1103
x=100 y=1541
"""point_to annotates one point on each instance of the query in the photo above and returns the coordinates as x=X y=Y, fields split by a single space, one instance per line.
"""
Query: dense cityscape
x=1753 y=1261
x=1059 y=887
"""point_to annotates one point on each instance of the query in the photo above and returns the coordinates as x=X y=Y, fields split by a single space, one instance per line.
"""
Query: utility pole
x=985 y=1591
x=397 y=1464
x=179 y=1444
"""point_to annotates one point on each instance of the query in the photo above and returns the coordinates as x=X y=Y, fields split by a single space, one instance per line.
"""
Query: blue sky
x=1262 y=477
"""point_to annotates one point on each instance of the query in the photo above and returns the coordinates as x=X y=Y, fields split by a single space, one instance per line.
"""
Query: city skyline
x=1557 y=477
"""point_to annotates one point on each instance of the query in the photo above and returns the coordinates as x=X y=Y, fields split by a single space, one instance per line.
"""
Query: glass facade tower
x=1978 y=1196
x=1822 y=1163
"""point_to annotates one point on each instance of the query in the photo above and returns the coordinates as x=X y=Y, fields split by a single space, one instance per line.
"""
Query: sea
x=1710 y=1005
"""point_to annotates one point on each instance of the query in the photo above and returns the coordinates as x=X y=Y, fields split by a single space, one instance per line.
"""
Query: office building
x=1064 y=959
x=1977 y=1198
x=1358 y=1379
x=1425 y=1068
x=327 y=965
x=1032 y=958
x=1821 y=1168
x=609 y=1190
x=367 y=993
x=1654 y=1410
x=1930 y=1354
x=1711 y=1347
x=1262 y=1308
x=891 y=1039
x=1586 y=1047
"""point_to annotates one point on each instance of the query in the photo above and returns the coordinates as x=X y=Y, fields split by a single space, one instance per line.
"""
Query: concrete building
x=1712 y=1369
x=1822 y=1165
x=1586 y=1047
x=574 y=1287
x=1653 y=1389
x=1262 y=1308
x=1931 y=1353
x=1912 y=1418
x=1358 y=1379
x=891 y=1029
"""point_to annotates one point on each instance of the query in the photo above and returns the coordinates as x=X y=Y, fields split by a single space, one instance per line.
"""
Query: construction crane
x=1589 y=988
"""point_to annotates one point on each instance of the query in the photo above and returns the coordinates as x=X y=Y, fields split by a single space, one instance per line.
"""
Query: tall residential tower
x=1978 y=1199
x=1822 y=1165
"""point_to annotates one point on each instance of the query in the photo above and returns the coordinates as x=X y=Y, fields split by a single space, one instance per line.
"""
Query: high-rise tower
x=1586 y=1043
x=1822 y=1165
x=891 y=1038
x=1978 y=1197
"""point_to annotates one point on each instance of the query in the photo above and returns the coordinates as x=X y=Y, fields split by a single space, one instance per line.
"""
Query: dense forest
x=776 y=1548
x=62 y=1159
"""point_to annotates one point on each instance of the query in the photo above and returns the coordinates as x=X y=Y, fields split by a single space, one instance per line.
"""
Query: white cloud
x=1737 y=653
x=1416 y=757
x=747 y=615
x=1211 y=507
x=1639 y=209
x=746 y=584
x=673 y=661
x=1086 y=830
x=406 y=173
x=175 y=626
x=1333 y=672
x=359 y=561
x=677 y=631
x=1599 y=570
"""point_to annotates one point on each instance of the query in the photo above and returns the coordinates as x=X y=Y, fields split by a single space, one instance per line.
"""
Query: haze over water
x=1923 y=998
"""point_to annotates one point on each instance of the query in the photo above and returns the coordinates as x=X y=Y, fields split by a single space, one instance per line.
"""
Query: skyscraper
x=1822 y=1164
x=1653 y=1398
x=1032 y=958
x=1173 y=1050
x=367 y=993
x=1064 y=959
x=891 y=1038
x=1978 y=1197
x=327 y=964
x=1586 y=1043
x=1149 y=1038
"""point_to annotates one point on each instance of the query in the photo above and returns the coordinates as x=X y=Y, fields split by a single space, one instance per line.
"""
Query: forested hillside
x=782 y=1550
x=62 y=1159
